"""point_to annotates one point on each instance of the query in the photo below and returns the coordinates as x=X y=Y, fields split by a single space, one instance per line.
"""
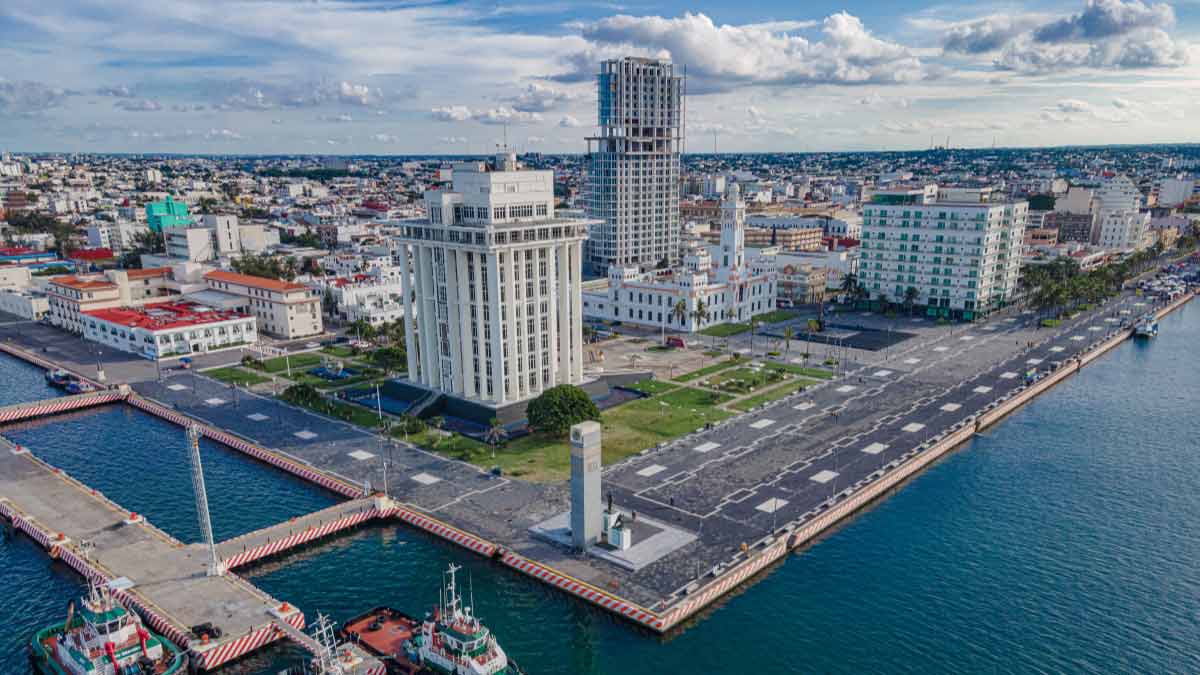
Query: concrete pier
x=152 y=572
x=752 y=488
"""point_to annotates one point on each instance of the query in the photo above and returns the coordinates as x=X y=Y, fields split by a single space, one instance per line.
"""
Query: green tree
x=788 y=334
x=390 y=359
x=496 y=434
x=910 y=298
x=558 y=408
x=679 y=311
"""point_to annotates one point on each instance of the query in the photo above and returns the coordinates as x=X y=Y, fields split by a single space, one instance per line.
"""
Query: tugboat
x=58 y=378
x=104 y=638
x=450 y=641
x=78 y=386
x=1147 y=327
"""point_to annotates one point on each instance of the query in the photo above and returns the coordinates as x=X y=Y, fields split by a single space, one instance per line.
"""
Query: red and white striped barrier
x=731 y=579
x=22 y=411
x=480 y=546
x=590 y=593
x=320 y=478
x=300 y=538
x=207 y=659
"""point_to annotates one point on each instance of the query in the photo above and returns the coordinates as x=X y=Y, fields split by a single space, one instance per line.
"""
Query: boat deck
x=382 y=630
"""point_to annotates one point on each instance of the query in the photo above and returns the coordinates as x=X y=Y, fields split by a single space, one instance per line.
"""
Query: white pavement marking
x=875 y=448
x=762 y=424
x=426 y=479
x=1008 y=376
x=913 y=361
x=772 y=505
x=912 y=427
x=214 y=401
x=981 y=390
x=951 y=407
x=360 y=455
x=941 y=349
x=1094 y=328
x=1112 y=319
x=917 y=318
x=824 y=476
x=845 y=389
x=651 y=470
x=797 y=359
x=1078 y=338
x=743 y=351
x=807 y=405
x=1057 y=349
x=707 y=447
x=176 y=387
x=989 y=328
x=1033 y=362
x=967 y=337
x=881 y=373
x=257 y=417
x=306 y=435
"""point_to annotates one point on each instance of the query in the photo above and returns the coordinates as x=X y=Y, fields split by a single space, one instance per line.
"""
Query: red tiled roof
x=164 y=315
x=78 y=284
x=149 y=272
x=254 y=282
x=91 y=254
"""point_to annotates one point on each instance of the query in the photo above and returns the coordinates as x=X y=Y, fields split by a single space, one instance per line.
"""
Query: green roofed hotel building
x=959 y=247
x=167 y=213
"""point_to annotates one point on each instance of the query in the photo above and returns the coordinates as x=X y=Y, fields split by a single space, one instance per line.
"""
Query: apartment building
x=70 y=296
x=960 y=249
x=284 y=309
x=786 y=239
x=633 y=165
x=1122 y=225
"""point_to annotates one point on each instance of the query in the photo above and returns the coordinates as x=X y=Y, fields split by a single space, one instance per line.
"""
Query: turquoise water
x=1063 y=540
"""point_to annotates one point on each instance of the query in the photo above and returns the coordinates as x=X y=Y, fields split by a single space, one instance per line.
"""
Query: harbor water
x=1062 y=540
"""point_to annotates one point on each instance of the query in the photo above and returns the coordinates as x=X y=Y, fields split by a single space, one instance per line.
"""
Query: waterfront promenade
x=751 y=489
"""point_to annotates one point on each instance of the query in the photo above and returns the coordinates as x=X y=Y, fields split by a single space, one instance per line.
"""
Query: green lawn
x=628 y=429
x=816 y=373
x=709 y=370
x=236 y=375
x=777 y=316
x=349 y=412
x=741 y=381
x=725 y=329
x=652 y=387
x=303 y=361
x=340 y=351
x=771 y=394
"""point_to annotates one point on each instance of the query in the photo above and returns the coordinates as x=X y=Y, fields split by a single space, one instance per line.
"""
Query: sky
x=453 y=77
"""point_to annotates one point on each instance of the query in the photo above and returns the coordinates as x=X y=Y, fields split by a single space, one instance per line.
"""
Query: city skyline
x=455 y=78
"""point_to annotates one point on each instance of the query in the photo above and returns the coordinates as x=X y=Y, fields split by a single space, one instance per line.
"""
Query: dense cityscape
x=285 y=412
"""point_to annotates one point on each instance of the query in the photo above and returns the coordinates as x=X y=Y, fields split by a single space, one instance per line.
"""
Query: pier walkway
x=150 y=571
x=281 y=537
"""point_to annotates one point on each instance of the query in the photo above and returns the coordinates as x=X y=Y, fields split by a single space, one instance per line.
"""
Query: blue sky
x=398 y=77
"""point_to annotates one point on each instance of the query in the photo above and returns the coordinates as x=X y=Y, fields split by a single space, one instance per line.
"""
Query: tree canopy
x=558 y=408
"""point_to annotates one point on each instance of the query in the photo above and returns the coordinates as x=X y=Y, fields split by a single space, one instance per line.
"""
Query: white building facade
x=962 y=255
x=492 y=286
x=1123 y=227
x=632 y=184
x=730 y=282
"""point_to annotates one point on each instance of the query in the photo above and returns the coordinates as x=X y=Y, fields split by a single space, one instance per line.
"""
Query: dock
x=150 y=571
x=753 y=488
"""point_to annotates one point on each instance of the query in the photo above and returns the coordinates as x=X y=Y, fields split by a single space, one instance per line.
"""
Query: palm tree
x=850 y=285
x=679 y=311
x=496 y=434
x=754 y=324
x=700 y=314
x=910 y=298
x=884 y=302
x=788 y=334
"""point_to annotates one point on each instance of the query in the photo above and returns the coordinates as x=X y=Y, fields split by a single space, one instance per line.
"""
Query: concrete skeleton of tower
x=633 y=165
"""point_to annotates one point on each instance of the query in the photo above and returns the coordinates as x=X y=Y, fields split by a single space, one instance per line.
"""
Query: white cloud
x=726 y=56
x=453 y=140
x=25 y=97
x=385 y=138
x=498 y=115
x=138 y=105
x=569 y=122
x=117 y=91
x=540 y=98
x=222 y=135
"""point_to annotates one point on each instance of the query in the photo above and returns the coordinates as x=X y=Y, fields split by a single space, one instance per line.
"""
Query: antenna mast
x=214 y=563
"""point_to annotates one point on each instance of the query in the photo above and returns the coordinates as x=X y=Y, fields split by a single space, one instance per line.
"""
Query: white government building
x=733 y=284
x=496 y=278
x=959 y=248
